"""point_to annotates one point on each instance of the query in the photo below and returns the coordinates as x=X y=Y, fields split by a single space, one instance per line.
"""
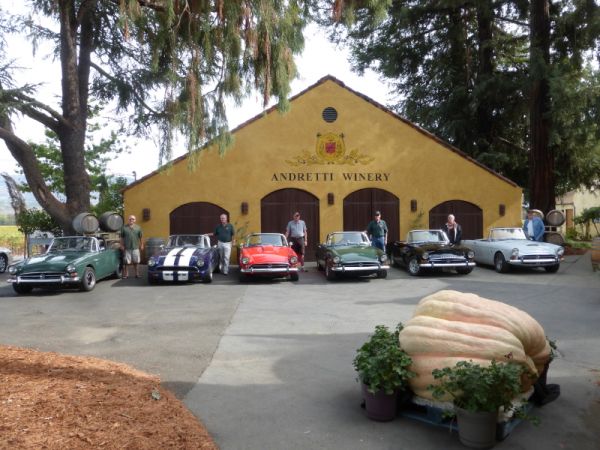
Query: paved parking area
x=269 y=365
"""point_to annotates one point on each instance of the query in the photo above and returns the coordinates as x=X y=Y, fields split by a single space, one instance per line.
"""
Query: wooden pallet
x=436 y=416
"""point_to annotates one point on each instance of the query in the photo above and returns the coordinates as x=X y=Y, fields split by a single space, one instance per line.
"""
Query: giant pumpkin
x=451 y=326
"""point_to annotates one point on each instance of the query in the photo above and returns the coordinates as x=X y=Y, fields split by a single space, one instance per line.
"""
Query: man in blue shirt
x=533 y=227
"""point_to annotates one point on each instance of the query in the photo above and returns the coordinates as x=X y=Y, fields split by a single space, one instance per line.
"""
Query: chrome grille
x=50 y=276
x=271 y=266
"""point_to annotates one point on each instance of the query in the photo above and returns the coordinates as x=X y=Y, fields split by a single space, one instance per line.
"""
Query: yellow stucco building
x=336 y=156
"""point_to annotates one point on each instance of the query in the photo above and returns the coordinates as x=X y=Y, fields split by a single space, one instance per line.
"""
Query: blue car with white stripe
x=185 y=258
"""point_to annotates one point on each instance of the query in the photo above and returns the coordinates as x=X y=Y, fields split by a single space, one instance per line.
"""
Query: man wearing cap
x=534 y=227
x=377 y=231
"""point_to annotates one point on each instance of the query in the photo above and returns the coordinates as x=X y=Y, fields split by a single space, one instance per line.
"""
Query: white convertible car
x=506 y=247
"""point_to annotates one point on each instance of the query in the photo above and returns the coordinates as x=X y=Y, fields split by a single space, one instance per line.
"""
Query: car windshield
x=503 y=234
x=347 y=238
x=187 y=239
x=72 y=244
x=420 y=236
x=277 y=240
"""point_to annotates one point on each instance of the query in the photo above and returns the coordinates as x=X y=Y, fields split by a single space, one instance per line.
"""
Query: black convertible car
x=431 y=249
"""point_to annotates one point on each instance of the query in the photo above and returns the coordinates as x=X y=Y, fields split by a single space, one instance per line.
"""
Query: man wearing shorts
x=132 y=245
x=297 y=234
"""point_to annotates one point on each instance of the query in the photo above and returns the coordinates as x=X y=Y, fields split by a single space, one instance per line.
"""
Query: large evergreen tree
x=169 y=63
x=505 y=81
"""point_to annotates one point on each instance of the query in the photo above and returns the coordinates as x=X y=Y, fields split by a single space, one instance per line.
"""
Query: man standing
x=297 y=234
x=533 y=227
x=377 y=231
x=132 y=245
x=225 y=234
x=453 y=230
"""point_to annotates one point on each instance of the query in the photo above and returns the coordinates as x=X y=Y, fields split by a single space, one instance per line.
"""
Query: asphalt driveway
x=269 y=365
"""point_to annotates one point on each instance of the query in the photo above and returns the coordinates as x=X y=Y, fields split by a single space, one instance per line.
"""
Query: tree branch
x=104 y=73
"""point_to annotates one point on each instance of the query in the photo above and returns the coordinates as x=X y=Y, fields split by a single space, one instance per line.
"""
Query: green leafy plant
x=553 y=348
x=476 y=388
x=381 y=363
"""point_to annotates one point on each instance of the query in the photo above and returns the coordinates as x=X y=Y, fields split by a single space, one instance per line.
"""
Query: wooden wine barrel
x=553 y=237
x=111 y=221
x=85 y=223
x=555 y=218
x=537 y=212
x=152 y=247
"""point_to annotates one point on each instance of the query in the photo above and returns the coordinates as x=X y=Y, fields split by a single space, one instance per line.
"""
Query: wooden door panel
x=468 y=215
x=277 y=208
x=359 y=207
x=195 y=218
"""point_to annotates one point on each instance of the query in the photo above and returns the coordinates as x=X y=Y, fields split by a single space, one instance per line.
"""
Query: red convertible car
x=267 y=255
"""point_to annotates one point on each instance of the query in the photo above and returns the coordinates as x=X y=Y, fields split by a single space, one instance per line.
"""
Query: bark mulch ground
x=54 y=401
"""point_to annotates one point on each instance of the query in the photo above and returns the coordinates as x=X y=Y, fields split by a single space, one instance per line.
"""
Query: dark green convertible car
x=350 y=253
x=75 y=261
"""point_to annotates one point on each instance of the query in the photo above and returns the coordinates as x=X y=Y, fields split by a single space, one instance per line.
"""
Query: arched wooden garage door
x=195 y=218
x=276 y=211
x=468 y=215
x=359 y=207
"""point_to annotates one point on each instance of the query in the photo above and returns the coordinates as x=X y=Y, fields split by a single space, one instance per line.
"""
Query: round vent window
x=329 y=114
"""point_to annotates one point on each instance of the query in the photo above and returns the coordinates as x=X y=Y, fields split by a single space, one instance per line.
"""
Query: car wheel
x=151 y=280
x=413 y=267
x=464 y=270
x=500 y=263
x=243 y=278
x=294 y=276
x=382 y=274
x=208 y=277
x=552 y=269
x=22 y=289
x=329 y=274
x=88 y=280
x=3 y=263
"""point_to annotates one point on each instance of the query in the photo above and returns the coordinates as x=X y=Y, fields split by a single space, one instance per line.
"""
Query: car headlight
x=383 y=258
x=245 y=260
x=12 y=269
x=425 y=255
x=514 y=254
x=151 y=262
x=336 y=259
x=560 y=251
x=200 y=263
x=293 y=260
x=70 y=268
x=470 y=254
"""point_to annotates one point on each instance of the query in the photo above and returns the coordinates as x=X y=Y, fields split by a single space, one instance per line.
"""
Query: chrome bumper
x=432 y=265
x=534 y=262
x=269 y=270
x=359 y=268
x=62 y=280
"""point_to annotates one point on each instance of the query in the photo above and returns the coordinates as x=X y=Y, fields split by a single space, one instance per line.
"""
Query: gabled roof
x=362 y=96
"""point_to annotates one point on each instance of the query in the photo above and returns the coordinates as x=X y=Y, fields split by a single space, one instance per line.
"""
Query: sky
x=320 y=58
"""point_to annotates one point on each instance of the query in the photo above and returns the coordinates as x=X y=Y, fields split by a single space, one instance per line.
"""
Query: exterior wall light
x=146 y=214
x=502 y=209
x=413 y=205
x=244 y=208
x=330 y=198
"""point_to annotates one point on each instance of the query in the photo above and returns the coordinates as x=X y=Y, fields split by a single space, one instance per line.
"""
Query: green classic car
x=350 y=253
x=74 y=261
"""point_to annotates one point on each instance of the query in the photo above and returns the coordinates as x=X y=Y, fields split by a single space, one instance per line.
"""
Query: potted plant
x=478 y=393
x=383 y=370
